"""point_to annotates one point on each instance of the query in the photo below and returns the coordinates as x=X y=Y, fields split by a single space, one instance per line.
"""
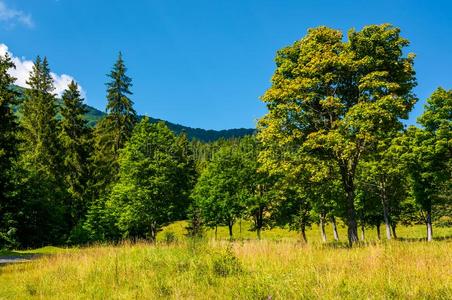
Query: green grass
x=237 y=270
x=279 y=267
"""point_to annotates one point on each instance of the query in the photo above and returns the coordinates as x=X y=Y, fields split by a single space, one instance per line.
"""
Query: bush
x=169 y=237
x=79 y=235
x=8 y=240
x=226 y=264
x=444 y=221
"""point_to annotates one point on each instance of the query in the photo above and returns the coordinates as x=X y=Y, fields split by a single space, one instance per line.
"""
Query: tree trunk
x=363 y=236
x=259 y=222
x=386 y=215
x=393 y=227
x=333 y=222
x=240 y=227
x=352 y=230
x=347 y=181
x=378 y=231
x=153 y=232
x=216 y=232
x=230 y=224
x=322 y=227
x=429 y=226
x=303 y=232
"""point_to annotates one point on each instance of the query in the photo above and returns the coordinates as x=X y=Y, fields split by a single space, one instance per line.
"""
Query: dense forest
x=332 y=148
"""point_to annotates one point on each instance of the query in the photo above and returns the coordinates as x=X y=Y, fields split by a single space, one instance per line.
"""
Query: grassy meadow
x=277 y=267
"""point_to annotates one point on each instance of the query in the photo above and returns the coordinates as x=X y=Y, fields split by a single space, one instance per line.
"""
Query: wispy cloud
x=24 y=67
x=12 y=16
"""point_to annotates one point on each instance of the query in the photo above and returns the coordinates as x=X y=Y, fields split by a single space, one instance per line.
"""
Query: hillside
x=94 y=115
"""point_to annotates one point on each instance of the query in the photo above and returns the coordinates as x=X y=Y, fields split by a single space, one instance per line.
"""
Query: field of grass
x=278 y=267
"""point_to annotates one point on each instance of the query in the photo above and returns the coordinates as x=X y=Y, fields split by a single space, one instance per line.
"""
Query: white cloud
x=13 y=16
x=24 y=67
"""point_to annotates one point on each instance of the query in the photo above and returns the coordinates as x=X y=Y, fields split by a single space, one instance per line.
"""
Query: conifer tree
x=121 y=116
x=43 y=192
x=113 y=131
x=75 y=143
x=8 y=151
x=40 y=120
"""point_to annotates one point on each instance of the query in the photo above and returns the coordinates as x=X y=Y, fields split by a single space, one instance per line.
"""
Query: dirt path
x=13 y=259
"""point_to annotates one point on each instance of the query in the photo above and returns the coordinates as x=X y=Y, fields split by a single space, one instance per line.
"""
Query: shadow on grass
x=440 y=238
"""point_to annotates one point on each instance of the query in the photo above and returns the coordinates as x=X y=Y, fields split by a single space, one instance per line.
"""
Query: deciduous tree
x=337 y=98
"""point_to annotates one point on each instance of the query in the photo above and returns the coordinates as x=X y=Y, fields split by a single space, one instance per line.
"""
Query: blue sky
x=205 y=63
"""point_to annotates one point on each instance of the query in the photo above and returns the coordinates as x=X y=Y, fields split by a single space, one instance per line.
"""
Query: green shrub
x=226 y=264
x=169 y=237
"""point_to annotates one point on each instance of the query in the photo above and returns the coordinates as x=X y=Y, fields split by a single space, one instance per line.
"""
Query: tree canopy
x=335 y=99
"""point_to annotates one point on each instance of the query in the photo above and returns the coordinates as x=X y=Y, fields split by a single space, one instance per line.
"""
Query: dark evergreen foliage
x=75 y=141
x=8 y=155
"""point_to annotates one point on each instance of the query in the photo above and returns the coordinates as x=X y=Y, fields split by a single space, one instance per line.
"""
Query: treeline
x=93 y=115
x=332 y=146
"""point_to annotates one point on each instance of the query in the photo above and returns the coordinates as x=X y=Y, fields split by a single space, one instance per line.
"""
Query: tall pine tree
x=43 y=191
x=121 y=116
x=40 y=120
x=8 y=152
x=112 y=132
x=110 y=135
x=75 y=143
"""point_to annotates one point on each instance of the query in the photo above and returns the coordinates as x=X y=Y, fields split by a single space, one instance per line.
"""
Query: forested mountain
x=206 y=135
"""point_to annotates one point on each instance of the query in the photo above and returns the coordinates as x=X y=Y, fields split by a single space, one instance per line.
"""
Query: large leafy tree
x=292 y=204
x=74 y=136
x=427 y=153
x=151 y=191
x=219 y=193
x=335 y=99
x=383 y=176
x=258 y=185
x=8 y=152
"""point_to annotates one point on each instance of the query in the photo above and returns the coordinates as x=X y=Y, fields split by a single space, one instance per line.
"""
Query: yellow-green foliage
x=282 y=269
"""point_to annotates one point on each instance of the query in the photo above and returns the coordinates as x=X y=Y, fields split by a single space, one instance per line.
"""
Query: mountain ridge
x=206 y=135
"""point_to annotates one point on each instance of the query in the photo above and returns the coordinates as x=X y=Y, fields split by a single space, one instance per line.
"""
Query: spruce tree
x=121 y=116
x=74 y=138
x=113 y=131
x=8 y=152
x=39 y=120
x=42 y=191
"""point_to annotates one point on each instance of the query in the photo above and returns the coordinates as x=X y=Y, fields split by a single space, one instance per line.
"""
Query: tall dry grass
x=237 y=270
